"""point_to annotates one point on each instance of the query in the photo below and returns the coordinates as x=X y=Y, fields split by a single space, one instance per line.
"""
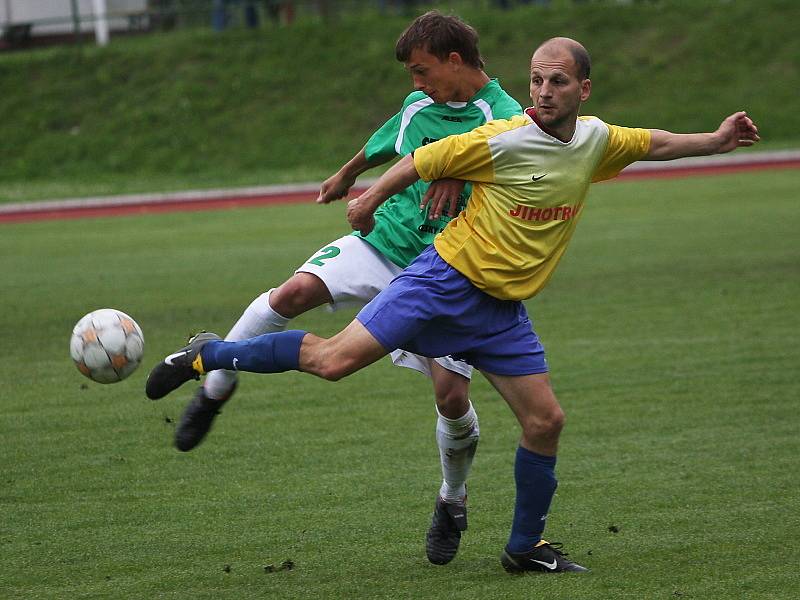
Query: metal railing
x=29 y=22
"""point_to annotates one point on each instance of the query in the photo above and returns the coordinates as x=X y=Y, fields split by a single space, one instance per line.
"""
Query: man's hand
x=736 y=131
x=360 y=215
x=442 y=195
x=335 y=187
x=360 y=210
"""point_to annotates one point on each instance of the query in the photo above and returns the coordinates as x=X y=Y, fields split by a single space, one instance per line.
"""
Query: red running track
x=34 y=211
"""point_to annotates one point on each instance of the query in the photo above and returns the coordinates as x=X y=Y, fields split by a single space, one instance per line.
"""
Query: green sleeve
x=381 y=143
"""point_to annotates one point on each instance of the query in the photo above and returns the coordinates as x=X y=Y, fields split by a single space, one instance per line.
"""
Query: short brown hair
x=440 y=35
x=583 y=63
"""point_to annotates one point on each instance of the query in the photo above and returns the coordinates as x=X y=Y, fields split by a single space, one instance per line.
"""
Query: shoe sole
x=441 y=550
x=185 y=442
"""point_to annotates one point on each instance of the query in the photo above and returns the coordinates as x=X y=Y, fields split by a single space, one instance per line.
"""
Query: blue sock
x=535 y=476
x=268 y=353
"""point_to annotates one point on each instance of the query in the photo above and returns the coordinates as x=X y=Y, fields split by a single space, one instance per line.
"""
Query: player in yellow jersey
x=462 y=297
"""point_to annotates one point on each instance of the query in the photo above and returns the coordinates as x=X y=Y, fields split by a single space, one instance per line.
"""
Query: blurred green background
x=195 y=108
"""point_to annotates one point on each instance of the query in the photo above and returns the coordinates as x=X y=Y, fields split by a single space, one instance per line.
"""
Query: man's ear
x=586 y=89
x=455 y=59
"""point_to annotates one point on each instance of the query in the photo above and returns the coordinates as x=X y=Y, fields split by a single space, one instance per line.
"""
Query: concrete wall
x=55 y=16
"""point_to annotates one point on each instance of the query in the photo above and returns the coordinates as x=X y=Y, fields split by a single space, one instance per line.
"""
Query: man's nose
x=545 y=90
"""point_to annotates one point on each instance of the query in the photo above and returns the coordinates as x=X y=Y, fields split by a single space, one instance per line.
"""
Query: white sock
x=458 y=440
x=257 y=318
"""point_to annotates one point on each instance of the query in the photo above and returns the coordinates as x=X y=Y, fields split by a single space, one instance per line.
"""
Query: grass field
x=671 y=332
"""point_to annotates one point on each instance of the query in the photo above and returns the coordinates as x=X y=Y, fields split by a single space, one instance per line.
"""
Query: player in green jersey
x=453 y=95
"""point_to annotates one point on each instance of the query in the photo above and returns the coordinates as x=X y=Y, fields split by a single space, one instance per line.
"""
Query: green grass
x=193 y=109
x=669 y=328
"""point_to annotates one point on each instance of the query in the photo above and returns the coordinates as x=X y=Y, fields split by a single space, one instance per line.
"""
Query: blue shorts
x=433 y=310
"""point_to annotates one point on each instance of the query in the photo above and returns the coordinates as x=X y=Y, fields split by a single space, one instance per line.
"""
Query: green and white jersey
x=401 y=230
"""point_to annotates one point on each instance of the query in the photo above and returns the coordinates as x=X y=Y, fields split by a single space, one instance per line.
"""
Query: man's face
x=439 y=79
x=556 y=90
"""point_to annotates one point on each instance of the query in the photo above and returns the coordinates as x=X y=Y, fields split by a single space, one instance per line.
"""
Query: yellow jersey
x=528 y=195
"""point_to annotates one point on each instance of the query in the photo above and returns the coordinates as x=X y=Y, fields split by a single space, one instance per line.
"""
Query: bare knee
x=452 y=401
x=451 y=390
x=543 y=427
x=298 y=294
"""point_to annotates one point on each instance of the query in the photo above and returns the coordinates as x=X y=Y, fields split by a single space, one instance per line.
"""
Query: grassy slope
x=194 y=109
x=666 y=328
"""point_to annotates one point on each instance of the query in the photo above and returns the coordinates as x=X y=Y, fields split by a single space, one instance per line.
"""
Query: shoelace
x=556 y=547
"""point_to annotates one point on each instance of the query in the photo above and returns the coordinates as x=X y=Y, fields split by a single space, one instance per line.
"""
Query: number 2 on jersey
x=324 y=254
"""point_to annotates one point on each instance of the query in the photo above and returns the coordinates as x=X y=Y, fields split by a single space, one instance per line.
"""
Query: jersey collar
x=531 y=112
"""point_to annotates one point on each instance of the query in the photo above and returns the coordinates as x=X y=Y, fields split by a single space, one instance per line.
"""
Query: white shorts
x=354 y=273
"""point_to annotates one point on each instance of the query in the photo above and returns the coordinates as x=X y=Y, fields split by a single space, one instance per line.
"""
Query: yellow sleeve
x=467 y=156
x=626 y=145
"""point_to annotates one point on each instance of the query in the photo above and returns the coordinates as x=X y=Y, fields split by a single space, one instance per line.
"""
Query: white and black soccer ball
x=107 y=345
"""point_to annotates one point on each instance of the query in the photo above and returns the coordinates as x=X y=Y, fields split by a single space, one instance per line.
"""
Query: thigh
x=525 y=394
x=353 y=271
x=298 y=294
x=533 y=402
x=451 y=390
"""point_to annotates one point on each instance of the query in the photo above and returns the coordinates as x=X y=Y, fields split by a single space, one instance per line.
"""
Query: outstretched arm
x=338 y=185
x=735 y=131
x=396 y=179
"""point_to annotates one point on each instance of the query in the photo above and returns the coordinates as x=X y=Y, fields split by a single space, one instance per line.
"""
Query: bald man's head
x=559 y=45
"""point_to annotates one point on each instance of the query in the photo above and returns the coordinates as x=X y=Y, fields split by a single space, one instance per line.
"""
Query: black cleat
x=544 y=558
x=444 y=535
x=197 y=419
x=177 y=368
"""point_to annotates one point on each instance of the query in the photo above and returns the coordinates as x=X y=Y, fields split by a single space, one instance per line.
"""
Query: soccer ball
x=107 y=345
